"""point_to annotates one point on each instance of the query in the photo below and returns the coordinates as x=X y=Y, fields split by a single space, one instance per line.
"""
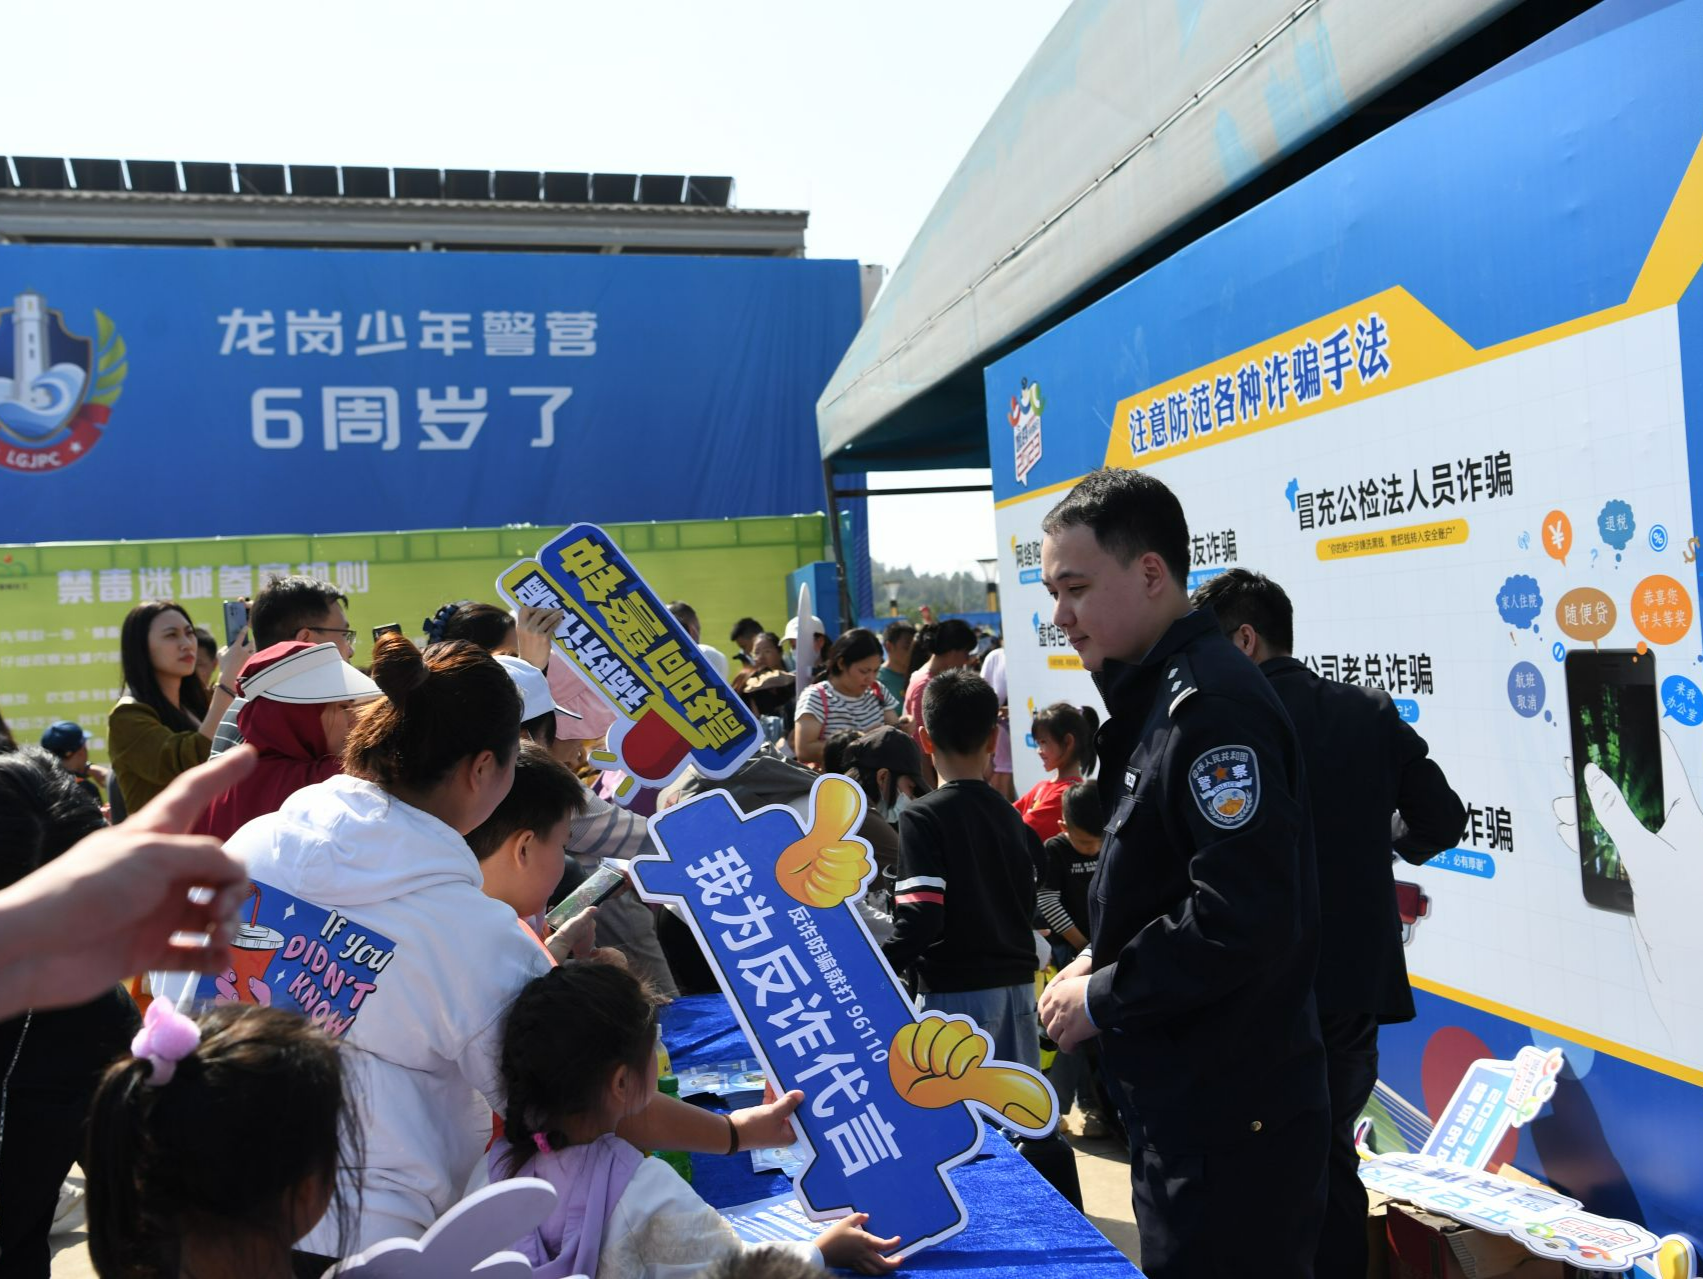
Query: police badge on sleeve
x=1225 y=783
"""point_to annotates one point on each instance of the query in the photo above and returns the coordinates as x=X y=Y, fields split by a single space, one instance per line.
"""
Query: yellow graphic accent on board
x=1578 y=1035
x=1413 y=537
x=1416 y=344
x=1063 y=662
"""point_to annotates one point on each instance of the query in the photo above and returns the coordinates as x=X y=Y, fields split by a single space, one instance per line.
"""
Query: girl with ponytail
x=212 y=1146
x=940 y=646
x=1064 y=739
x=579 y=1068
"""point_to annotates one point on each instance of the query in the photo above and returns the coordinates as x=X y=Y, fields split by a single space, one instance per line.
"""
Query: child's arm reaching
x=847 y=1244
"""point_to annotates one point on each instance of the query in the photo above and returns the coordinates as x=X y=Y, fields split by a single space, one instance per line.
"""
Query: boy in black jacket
x=966 y=881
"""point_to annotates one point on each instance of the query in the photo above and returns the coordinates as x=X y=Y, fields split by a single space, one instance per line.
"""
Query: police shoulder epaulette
x=1178 y=683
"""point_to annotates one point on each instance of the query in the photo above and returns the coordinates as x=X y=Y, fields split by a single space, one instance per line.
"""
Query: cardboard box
x=1428 y=1244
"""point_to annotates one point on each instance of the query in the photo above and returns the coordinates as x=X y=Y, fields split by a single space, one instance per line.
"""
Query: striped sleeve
x=919 y=897
x=604 y=830
x=920 y=889
x=1051 y=906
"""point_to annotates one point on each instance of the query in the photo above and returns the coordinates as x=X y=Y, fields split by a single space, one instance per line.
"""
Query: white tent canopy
x=1133 y=116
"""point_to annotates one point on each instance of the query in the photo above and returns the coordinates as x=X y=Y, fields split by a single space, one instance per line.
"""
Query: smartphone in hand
x=236 y=618
x=600 y=886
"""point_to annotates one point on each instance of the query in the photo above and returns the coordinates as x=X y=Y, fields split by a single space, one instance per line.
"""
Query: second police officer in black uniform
x=1204 y=914
x=1374 y=788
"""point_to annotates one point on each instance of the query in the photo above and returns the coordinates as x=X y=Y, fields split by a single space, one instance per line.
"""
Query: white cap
x=535 y=697
x=791 y=632
x=314 y=674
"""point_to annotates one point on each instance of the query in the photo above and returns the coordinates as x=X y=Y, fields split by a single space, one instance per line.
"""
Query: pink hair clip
x=542 y=1143
x=166 y=1038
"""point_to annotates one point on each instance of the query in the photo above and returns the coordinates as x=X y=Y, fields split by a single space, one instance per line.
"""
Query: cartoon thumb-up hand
x=938 y=1061
x=827 y=866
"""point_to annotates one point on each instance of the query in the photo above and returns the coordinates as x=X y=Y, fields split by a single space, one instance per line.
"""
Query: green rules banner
x=61 y=604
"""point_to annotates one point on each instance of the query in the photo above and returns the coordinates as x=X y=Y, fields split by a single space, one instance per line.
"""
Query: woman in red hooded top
x=301 y=701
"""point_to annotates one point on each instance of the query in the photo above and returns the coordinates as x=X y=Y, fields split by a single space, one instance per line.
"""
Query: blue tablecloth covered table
x=1019 y=1226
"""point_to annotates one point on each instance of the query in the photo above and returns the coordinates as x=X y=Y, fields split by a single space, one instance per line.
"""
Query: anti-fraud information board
x=1440 y=392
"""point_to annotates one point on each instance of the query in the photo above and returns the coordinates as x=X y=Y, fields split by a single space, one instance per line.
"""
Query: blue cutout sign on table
x=671 y=706
x=1493 y=1097
x=890 y=1099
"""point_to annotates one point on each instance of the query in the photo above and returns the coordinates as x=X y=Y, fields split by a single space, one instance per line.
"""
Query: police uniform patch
x=1225 y=783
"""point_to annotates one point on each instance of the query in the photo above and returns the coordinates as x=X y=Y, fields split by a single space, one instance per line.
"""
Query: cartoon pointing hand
x=938 y=1061
x=825 y=867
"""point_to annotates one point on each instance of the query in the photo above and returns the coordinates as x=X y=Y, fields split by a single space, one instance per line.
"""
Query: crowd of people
x=445 y=797
x=1163 y=875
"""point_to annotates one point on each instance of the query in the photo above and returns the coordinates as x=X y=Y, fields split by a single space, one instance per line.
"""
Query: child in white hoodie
x=579 y=1057
x=383 y=848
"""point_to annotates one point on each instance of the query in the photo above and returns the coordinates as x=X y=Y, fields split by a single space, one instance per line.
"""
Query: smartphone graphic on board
x=1611 y=696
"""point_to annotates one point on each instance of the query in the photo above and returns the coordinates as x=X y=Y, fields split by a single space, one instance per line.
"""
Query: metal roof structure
x=48 y=199
x=1138 y=126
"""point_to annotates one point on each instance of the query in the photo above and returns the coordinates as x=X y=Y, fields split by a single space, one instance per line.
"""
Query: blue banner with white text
x=156 y=392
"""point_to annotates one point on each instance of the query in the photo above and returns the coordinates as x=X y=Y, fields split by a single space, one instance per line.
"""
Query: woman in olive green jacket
x=164 y=723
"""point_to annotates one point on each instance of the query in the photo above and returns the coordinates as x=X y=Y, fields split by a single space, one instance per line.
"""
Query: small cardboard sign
x=294 y=954
x=893 y=1100
x=671 y=706
x=1546 y=1222
x=1494 y=1096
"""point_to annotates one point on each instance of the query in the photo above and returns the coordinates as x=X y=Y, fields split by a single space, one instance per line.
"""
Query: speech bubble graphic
x=1519 y=601
x=1585 y=613
x=1615 y=523
x=1557 y=536
x=1525 y=689
x=1682 y=700
x=1661 y=609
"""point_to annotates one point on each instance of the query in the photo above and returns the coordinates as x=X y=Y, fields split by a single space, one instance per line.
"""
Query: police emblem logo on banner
x=1225 y=783
x=56 y=388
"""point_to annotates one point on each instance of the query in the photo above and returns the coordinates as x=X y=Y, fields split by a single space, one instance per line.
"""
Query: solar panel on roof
x=417 y=184
x=714 y=192
x=662 y=188
x=157 y=177
x=98 y=175
x=206 y=178
x=260 y=179
x=467 y=184
x=366 y=182
x=613 y=188
x=313 y=180
x=516 y=184
x=41 y=173
x=567 y=188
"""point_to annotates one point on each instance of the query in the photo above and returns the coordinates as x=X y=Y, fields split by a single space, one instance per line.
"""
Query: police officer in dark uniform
x=1203 y=910
x=1373 y=788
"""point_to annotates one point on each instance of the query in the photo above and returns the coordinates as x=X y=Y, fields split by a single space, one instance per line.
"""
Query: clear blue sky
x=858 y=113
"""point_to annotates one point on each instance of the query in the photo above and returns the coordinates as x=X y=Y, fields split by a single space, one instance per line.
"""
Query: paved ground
x=1101 y=1164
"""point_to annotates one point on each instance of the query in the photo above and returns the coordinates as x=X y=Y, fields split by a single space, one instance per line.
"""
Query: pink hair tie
x=542 y=1143
x=166 y=1038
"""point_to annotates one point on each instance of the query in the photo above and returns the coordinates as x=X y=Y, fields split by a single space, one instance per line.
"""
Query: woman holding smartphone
x=164 y=721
